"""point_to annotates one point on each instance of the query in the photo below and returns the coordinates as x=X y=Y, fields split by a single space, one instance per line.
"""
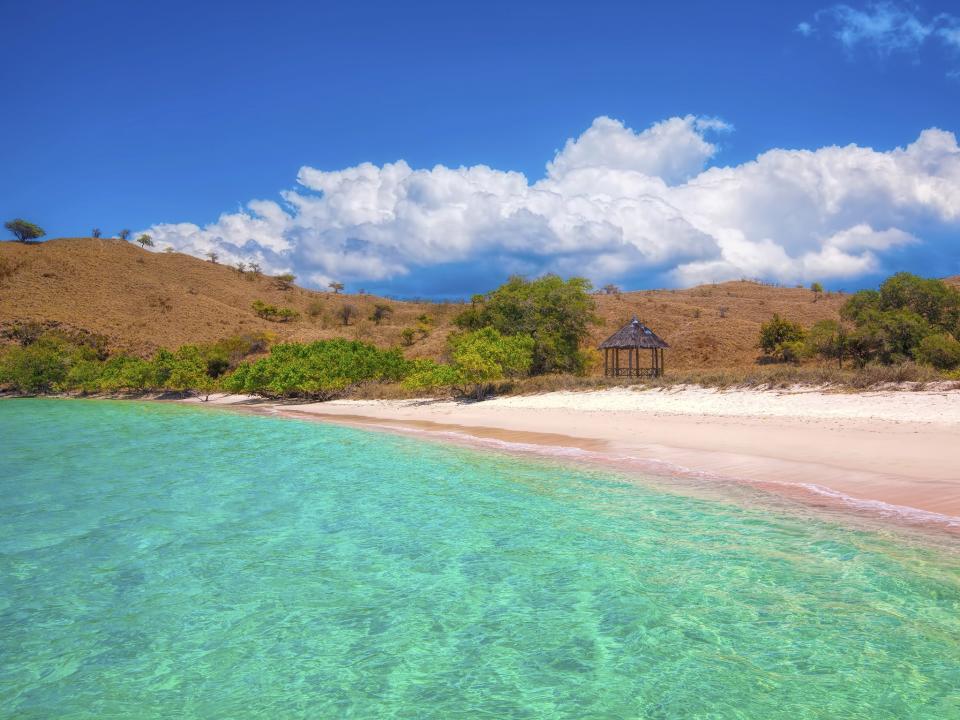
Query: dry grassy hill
x=143 y=300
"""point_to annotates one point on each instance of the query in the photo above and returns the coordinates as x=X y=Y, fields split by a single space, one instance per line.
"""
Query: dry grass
x=828 y=377
x=141 y=301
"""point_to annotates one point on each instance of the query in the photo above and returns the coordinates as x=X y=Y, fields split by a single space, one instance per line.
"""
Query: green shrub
x=555 y=313
x=483 y=356
x=274 y=313
x=322 y=369
x=43 y=365
x=942 y=351
x=782 y=339
x=892 y=322
x=429 y=375
x=479 y=358
x=830 y=340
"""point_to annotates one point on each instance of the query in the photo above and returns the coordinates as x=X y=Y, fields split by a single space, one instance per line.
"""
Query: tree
x=255 y=268
x=478 y=358
x=782 y=339
x=940 y=350
x=285 y=281
x=336 y=287
x=95 y=233
x=829 y=339
x=611 y=289
x=932 y=299
x=124 y=234
x=145 y=241
x=213 y=256
x=241 y=267
x=554 y=312
x=817 y=290
x=484 y=356
x=381 y=312
x=860 y=305
x=346 y=313
x=24 y=230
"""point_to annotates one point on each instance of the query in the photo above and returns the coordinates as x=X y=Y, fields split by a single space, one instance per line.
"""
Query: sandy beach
x=891 y=452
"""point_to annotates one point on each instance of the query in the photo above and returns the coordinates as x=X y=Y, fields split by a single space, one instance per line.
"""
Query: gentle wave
x=655 y=466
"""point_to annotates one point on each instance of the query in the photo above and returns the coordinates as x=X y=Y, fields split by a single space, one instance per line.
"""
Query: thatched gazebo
x=633 y=337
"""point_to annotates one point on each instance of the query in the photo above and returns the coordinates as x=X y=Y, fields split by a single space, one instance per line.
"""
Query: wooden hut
x=631 y=339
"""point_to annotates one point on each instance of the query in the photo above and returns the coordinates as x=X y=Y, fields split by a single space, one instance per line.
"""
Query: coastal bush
x=429 y=375
x=555 y=313
x=830 y=340
x=782 y=339
x=321 y=369
x=942 y=351
x=41 y=366
x=893 y=322
x=72 y=361
x=478 y=359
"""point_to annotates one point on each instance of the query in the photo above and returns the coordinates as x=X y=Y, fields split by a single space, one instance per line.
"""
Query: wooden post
x=630 y=361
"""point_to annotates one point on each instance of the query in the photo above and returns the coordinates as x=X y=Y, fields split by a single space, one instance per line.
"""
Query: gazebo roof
x=633 y=335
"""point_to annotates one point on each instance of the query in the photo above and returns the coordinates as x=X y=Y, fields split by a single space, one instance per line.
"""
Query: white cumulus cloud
x=613 y=204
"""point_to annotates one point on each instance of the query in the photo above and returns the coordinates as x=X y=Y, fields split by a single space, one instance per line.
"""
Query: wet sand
x=892 y=452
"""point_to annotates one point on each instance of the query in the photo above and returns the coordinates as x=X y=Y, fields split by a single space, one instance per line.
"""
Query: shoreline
x=847 y=453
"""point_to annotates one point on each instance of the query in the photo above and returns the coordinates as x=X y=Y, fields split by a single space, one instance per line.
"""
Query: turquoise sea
x=161 y=561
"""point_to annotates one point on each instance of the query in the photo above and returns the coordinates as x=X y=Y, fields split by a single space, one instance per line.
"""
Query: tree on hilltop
x=124 y=234
x=336 y=287
x=145 y=241
x=24 y=230
x=95 y=233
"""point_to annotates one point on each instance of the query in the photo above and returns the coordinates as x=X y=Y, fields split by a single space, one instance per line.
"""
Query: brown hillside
x=143 y=300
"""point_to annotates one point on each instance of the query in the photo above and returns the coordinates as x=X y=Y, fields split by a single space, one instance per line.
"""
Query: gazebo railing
x=634 y=372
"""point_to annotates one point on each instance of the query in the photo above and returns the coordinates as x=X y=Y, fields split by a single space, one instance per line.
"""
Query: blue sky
x=164 y=116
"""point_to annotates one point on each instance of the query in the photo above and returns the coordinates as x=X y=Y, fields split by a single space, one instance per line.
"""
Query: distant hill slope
x=143 y=300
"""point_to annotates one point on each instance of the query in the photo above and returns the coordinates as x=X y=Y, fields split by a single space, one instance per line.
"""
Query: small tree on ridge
x=24 y=230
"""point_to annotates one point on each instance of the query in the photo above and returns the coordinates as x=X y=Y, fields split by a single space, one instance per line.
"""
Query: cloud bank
x=614 y=205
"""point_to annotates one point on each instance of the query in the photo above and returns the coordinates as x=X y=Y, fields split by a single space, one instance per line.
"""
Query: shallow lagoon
x=161 y=561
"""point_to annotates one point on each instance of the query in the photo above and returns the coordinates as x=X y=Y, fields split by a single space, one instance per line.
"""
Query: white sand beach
x=896 y=447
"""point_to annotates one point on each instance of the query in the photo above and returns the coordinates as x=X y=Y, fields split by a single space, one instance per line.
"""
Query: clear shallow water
x=159 y=561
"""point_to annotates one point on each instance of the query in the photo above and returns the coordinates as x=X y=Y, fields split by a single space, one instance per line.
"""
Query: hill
x=143 y=300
